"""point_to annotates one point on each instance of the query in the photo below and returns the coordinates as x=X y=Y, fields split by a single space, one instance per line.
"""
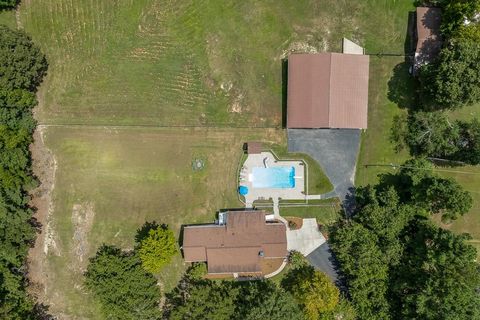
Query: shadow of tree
x=402 y=87
x=143 y=231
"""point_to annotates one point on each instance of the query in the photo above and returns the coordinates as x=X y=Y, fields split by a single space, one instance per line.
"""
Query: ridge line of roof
x=329 y=86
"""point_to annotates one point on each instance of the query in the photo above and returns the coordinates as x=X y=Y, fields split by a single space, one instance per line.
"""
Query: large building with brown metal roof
x=327 y=90
x=429 y=38
x=236 y=244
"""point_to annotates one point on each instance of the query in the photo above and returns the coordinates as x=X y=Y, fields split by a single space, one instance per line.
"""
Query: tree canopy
x=125 y=290
x=252 y=300
x=313 y=290
x=8 y=4
x=454 y=79
x=432 y=134
x=157 y=249
x=23 y=65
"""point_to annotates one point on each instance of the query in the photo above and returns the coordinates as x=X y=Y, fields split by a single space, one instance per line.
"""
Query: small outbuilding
x=429 y=38
x=327 y=90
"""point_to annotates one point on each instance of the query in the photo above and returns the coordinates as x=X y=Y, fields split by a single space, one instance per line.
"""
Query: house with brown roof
x=327 y=90
x=238 y=243
x=429 y=38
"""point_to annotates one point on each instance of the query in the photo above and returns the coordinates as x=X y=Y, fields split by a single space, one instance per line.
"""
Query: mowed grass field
x=192 y=62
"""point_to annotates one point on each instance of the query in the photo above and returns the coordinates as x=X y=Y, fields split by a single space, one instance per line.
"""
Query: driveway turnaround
x=322 y=259
x=335 y=150
x=306 y=239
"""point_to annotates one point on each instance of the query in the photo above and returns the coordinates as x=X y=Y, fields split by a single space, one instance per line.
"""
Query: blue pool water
x=275 y=177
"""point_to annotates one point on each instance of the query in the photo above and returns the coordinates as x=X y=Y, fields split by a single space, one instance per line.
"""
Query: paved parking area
x=306 y=239
x=335 y=150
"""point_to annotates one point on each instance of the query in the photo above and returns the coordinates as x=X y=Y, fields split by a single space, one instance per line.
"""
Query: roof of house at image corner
x=429 y=39
x=235 y=246
x=327 y=90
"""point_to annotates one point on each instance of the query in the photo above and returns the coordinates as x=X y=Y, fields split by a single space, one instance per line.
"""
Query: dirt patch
x=82 y=221
x=294 y=223
x=44 y=167
x=269 y=266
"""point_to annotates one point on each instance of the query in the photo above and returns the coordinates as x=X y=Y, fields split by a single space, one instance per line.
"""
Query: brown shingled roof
x=429 y=39
x=254 y=147
x=327 y=90
x=236 y=246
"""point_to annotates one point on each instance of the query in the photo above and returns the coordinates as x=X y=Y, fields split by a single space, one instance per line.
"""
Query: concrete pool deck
x=267 y=159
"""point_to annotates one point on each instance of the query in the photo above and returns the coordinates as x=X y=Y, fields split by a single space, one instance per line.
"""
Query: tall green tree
x=157 y=249
x=453 y=80
x=205 y=300
x=23 y=64
x=432 y=134
x=8 y=4
x=313 y=290
x=121 y=285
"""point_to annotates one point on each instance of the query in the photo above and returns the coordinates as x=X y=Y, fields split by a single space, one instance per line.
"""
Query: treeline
x=450 y=82
x=22 y=67
x=396 y=262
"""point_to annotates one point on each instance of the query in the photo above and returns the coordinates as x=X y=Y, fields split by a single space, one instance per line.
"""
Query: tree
x=23 y=65
x=469 y=142
x=455 y=12
x=313 y=290
x=8 y=4
x=445 y=196
x=205 y=300
x=469 y=32
x=258 y=300
x=432 y=134
x=121 y=285
x=157 y=249
x=454 y=79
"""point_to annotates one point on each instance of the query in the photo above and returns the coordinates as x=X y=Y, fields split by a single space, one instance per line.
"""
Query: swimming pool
x=274 y=177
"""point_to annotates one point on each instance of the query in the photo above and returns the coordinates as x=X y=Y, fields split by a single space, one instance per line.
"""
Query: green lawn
x=325 y=211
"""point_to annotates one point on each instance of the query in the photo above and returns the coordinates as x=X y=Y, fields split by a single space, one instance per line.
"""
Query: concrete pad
x=351 y=47
x=306 y=239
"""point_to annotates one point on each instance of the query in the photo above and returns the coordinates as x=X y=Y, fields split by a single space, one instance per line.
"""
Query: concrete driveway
x=335 y=150
x=306 y=239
